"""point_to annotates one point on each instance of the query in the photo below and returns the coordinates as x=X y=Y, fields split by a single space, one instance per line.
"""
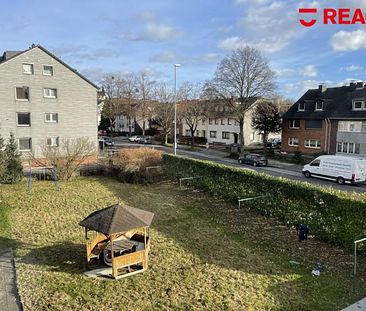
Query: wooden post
x=114 y=268
x=144 y=265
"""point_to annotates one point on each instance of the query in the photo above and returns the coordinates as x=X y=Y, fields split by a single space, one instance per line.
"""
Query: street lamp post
x=175 y=108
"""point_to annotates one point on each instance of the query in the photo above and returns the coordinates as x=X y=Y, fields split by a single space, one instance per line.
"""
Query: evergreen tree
x=13 y=170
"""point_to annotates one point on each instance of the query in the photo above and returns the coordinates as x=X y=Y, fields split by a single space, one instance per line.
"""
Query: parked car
x=274 y=142
x=107 y=141
x=253 y=159
x=342 y=169
x=134 y=138
x=145 y=140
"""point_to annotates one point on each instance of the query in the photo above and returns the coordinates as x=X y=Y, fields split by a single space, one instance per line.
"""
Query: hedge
x=332 y=216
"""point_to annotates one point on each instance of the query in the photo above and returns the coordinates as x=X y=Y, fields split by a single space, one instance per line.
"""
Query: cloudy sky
x=98 y=37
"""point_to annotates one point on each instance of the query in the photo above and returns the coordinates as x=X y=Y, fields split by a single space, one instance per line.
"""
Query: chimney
x=352 y=86
x=322 y=88
x=359 y=85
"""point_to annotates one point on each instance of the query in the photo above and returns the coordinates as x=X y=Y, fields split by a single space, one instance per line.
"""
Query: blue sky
x=98 y=37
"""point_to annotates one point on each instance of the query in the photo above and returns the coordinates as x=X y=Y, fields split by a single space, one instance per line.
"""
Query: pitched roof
x=117 y=218
x=12 y=54
x=337 y=103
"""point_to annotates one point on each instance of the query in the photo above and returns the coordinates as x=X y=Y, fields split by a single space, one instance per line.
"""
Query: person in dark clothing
x=303 y=232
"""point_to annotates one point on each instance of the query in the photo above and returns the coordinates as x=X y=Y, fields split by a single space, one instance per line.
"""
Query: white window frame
x=291 y=124
x=47 y=95
x=341 y=145
x=345 y=126
x=215 y=134
x=24 y=125
x=28 y=73
x=309 y=144
x=316 y=106
x=30 y=143
x=51 y=120
x=291 y=142
x=54 y=141
x=44 y=73
x=363 y=104
x=22 y=99
x=298 y=107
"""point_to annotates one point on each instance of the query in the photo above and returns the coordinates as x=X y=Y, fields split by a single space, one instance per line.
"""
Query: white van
x=340 y=168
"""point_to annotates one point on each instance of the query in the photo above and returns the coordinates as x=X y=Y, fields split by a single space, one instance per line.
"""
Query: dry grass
x=198 y=261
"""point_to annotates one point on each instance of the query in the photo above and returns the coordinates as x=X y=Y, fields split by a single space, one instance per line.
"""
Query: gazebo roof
x=117 y=218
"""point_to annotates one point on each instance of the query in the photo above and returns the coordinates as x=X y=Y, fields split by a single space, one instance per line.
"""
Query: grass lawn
x=204 y=255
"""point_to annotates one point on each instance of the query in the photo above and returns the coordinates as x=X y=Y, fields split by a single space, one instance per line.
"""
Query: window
x=301 y=107
x=315 y=163
x=203 y=121
x=209 y=121
x=294 y=124
x=216 y=121
x=188 y=133
x=228 y=121
x=293 y=142
x=52 y=141
x=25 y=144
x=225 y=135
x=22 y=93
x=213 y=134
x=312 y=143
x=23 y=119
x=47 y=70
x=319 y=106
x=313 y=124
x=222 y=121
x=197 y=133
x=359 y=105
x=352 y=126
x=28 y=69
x=50 y=93
x=53 y=117
x=345 y=147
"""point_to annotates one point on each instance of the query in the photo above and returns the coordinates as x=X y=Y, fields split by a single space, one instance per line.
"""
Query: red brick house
x=327 y=120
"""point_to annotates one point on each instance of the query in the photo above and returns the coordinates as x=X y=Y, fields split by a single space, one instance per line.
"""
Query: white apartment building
x=226 y=130
x=43 y=100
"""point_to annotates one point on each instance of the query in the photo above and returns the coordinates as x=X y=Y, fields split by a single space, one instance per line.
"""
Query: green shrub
x=298 y=157
x=11 y=170
x=333 y=216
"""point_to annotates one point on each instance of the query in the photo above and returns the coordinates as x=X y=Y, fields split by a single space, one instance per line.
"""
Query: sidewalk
x=358 y=306
x=9 y=298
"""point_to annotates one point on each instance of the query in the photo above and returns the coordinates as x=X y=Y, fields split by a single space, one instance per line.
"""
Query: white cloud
x=309 y=71
x=210 y=57
x=146 y=16
x=161 y=32
x=266 y=45
x=166 y=57
x=301 y=87
x=352 y=68
x=348 y=40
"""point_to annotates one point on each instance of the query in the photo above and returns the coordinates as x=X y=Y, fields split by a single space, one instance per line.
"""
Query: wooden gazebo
x=121 y=241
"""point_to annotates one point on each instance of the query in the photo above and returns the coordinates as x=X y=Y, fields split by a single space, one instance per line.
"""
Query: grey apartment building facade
x=43 y=100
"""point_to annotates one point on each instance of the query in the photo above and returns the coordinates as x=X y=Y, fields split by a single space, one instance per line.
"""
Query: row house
x=327 y=120
x=43 y=100
x=221 y=126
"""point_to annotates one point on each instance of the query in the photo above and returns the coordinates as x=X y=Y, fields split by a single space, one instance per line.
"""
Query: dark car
x=145 y=140
x=253 y=159
x=107 y=141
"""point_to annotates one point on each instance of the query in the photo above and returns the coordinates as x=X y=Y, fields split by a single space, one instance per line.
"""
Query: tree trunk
x=129 y=126
x=192 y=138
x=265 y=135
x=166 y=138
x=242 y=141
x=143 y=127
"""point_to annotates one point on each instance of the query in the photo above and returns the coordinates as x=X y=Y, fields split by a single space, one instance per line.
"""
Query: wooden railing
x=128 y=260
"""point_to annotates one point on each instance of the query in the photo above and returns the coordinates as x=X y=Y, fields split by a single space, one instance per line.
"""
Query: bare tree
x=145 y=86
x=266 y=119
x=129 y=95
x=240 y=79
x=65 y=160
x=164 y=109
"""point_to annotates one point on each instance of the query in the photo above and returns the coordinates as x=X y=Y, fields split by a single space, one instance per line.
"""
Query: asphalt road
x=290 y=171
